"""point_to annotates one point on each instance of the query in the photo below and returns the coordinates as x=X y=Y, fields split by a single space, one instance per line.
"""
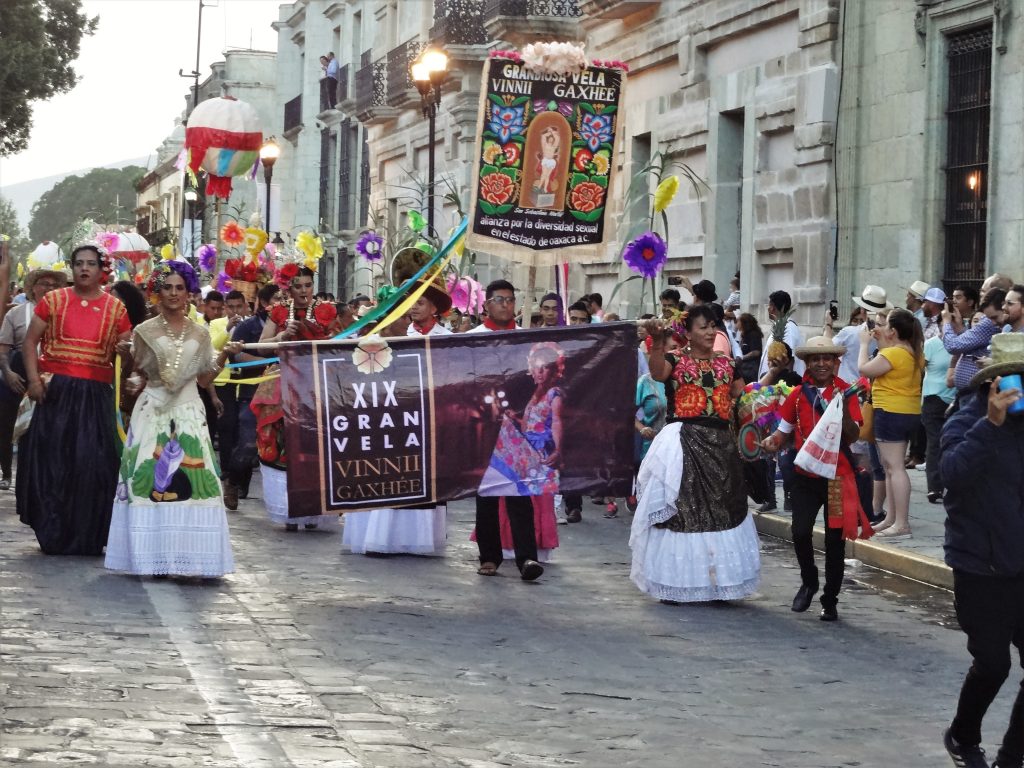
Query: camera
x=833 y=309
x=675 y=280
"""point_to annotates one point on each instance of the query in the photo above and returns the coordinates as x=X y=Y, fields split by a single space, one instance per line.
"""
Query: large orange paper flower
x=232 y=233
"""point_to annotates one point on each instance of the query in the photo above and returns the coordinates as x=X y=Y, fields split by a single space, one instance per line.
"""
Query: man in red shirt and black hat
x=844 y=516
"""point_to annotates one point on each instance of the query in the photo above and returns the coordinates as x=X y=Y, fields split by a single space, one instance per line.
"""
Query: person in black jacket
x=983 y=468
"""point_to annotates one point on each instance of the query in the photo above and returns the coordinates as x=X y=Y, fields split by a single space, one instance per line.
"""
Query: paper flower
x=372 y=355
x=416 y=221
x=512 y=55
x=370 y=246
x=665 y=192
x=555 y=58
x=207 y=256
x=108 y=240
x=232 y=234
x=255 y=239
x=310 y=246
x=167 y=252
x=646 y=254
x=223 y=282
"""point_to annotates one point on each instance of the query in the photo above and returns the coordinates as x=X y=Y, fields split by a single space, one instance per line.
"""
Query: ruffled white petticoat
x=177 y=539
x=686 y=567
x=275 y=499
x=396 y=531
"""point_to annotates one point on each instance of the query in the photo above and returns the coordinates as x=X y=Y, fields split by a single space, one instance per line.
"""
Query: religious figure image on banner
x=527 y=455
x=544 y=180
x=544 y=161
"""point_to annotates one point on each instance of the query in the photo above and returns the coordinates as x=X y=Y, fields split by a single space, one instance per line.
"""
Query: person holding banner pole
x=412 y=530
x=300 y=318
x=692 y=537
x=500 y=301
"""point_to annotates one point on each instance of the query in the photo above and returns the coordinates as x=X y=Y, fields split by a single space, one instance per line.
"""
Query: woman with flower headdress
x=300 y=318
x=67 y=460
x=169 y=517
x=692 y=537
x=413 y=530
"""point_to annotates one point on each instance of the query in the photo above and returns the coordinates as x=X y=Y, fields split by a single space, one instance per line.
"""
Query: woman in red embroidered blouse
x=67 y=460
x=692 y=537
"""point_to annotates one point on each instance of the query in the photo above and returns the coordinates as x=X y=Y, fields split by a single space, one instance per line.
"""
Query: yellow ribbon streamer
x=117 y=400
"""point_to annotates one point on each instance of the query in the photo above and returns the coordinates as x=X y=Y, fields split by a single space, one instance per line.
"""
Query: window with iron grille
x=327 y=149
x=364 y=185
x=345 y=191
x=967 y=127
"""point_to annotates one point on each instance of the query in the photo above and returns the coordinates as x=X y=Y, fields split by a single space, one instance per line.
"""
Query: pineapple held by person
x=777 y=349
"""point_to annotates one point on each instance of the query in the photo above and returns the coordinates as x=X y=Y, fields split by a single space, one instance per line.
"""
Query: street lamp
x=269 y=153
x=191 y=196
x=428 y=72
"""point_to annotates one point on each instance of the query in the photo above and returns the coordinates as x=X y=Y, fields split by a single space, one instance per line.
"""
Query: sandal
x=487 y=569
x=613 y=510
x=934 y=497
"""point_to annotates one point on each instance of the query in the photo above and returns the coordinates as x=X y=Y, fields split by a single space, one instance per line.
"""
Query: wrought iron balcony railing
x=328 y=89
x=371 y=89
x=458 y=22
x=293 y=114
x=519 y=22
x=401 y=88
x=553 y=8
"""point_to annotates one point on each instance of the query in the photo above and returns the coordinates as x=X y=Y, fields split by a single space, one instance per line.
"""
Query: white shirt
x=437 y=330
x=794 y=337
x=849 y=337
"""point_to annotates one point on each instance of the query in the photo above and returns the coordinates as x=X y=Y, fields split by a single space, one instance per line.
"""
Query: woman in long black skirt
x=67 y=460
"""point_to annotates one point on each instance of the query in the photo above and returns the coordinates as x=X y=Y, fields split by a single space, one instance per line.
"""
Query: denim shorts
x=895 y=427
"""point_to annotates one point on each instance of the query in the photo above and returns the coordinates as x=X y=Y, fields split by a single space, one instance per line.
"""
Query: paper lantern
x=45 y=255
x=223 y=138
x=127 y=245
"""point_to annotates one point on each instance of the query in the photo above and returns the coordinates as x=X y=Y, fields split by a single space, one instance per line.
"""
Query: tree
x=39 y=41
x=105 y=195
x=19 y=244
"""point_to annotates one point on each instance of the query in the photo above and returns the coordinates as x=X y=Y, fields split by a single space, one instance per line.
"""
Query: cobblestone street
x=310 y=657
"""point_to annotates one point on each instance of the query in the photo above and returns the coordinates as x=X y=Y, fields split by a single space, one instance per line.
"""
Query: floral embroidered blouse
x=81 y=334
x=698 y=387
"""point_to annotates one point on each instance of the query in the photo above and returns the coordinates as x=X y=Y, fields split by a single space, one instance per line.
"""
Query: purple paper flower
x=646 y=254
x=595 y=130
x=506 y=122
x=370 y=246
x=223 y=282
x=208 y=258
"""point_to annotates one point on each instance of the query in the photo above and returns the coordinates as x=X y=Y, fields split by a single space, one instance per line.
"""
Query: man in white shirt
x=871 y=300
x=779 y=303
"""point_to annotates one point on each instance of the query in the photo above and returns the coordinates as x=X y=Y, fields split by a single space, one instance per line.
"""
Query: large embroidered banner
x=410 y=421
x=544 y=161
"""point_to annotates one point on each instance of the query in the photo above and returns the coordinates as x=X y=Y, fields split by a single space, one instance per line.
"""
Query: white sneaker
x=921 y=467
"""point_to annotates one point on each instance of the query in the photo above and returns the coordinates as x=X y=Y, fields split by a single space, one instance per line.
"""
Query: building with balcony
x=838 y=143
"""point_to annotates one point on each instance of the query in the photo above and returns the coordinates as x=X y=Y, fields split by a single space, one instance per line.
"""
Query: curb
x=906 y=564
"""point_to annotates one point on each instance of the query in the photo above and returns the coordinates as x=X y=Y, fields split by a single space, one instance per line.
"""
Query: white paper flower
x=555 y=58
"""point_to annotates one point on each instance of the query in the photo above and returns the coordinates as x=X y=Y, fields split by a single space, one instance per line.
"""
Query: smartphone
x=833 y=309
x=871 y=324
x=675 y=280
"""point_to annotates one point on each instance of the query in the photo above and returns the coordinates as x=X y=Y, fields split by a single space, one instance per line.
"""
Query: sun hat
x=935 y=295
x=872 y=298
x=36 y=275
x=1007 y=357
x=819 y=345
x=919 y=288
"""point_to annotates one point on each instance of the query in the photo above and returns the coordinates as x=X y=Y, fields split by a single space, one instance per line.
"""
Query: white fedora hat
x=872 y=298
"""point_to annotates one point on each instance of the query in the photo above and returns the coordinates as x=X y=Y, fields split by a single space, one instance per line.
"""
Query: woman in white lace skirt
x=169 y=517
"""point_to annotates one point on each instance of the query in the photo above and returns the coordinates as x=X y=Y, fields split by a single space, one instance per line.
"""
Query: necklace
x=168 y=376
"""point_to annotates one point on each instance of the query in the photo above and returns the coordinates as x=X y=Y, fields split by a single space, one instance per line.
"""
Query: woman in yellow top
x=896 y=372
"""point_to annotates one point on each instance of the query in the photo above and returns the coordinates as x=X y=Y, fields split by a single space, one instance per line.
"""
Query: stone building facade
x=758 y=98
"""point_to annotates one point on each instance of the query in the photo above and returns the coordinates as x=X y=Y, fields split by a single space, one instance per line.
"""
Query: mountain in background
x=23 y=195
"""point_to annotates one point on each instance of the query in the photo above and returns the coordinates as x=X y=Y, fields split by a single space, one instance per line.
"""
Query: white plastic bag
x=819 y=454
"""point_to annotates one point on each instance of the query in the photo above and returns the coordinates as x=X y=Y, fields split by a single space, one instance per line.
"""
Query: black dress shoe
x=531 y=570
x=829 y=613
x=802 y=601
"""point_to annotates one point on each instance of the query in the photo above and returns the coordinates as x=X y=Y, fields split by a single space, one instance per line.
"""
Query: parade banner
x=544 y=162
x=416 y=420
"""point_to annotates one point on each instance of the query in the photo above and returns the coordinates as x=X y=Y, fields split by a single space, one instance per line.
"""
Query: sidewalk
x=919 y=557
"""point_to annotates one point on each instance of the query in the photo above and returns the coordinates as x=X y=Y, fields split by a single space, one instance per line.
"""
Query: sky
x=129 y=90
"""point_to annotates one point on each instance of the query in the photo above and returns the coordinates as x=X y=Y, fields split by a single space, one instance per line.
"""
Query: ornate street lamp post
x=269 y=153
x=428 y=72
